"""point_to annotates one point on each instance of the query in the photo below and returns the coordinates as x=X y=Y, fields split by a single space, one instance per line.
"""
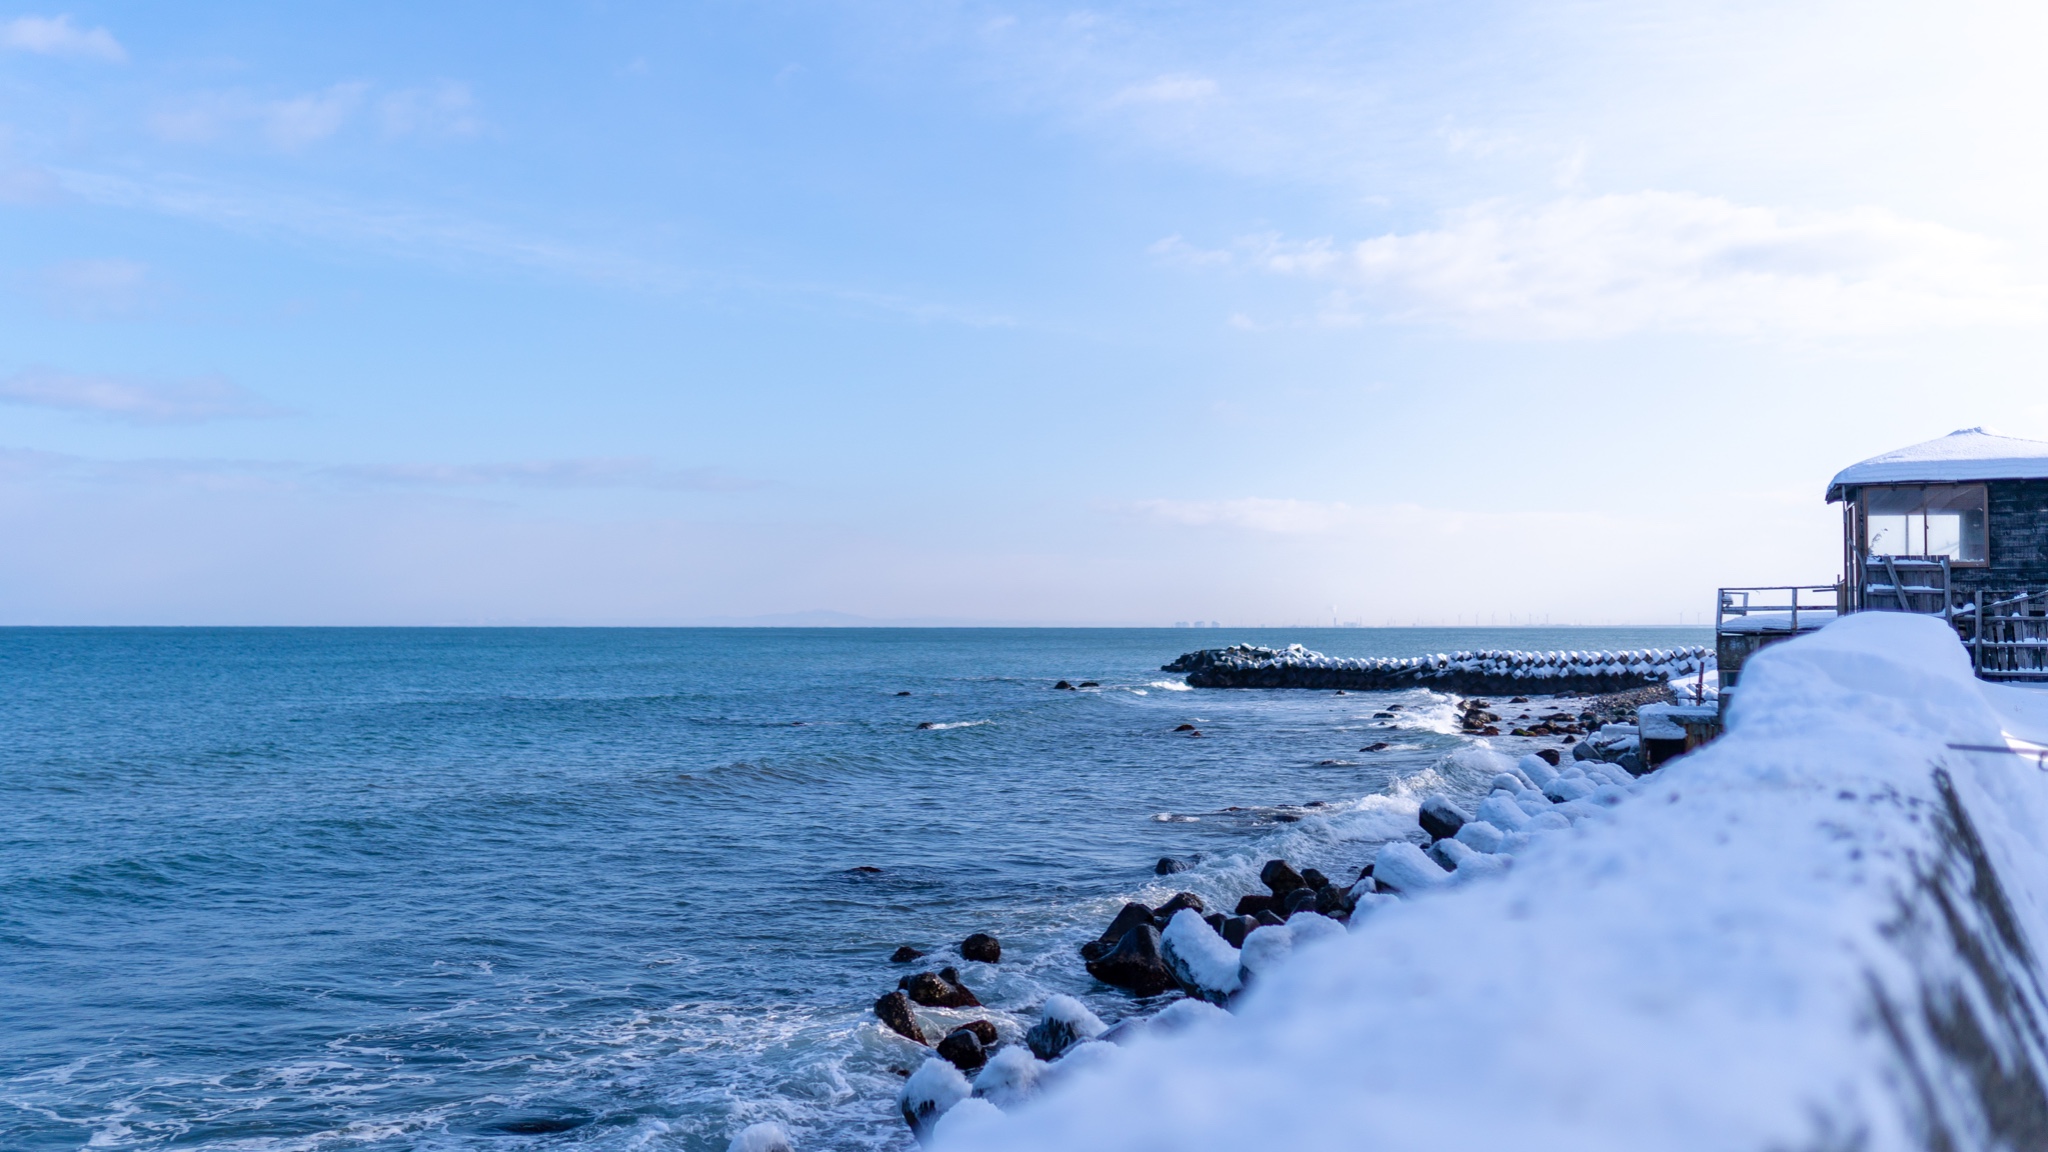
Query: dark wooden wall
x=2019 y=538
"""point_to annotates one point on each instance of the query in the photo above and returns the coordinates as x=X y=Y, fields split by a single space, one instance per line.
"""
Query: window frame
x=1981 y=488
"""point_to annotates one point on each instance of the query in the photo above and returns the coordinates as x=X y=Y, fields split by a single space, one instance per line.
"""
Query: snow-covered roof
x=1970 y=454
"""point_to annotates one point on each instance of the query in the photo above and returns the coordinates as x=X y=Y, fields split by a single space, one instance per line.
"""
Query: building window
x=1926 y=520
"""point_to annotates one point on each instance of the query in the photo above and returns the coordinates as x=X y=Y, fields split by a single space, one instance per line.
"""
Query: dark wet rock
x=1333 y=901
x=1443 y=859
x=1128 y=918
x=1253 y=904
x=905 y=955
x=939 y=990
x=1135 y=963
x=1050 y=1038
x=1280 y=877
x=982 y=947
x=1395 y=707
x=894 y=1011
x=1185 y=728
x=1195 y=732
x=1376 y=746
x=1549 y=755
x=925 y=726
x=963 y=1050
x=1215 y=922
x=1063 y=686
x=1441 y=818
x=1314 y=879
x=983 y=1031
x=1168 y=865
x=1383 y=715
x=1269 y=920
x=1286 y=817
x=1342 y=692
x=1180 y=900
x=1090 y=684
x=1519 y=700
x=903 y=693
x=1299 y=900
x=1571 y=739
x=1236 y=928
x=866 y=870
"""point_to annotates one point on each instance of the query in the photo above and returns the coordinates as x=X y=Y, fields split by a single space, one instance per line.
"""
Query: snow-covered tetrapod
x=1821 y=932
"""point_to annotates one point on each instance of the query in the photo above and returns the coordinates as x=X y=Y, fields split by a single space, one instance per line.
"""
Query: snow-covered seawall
x=1821 y=932
x=1586 y=673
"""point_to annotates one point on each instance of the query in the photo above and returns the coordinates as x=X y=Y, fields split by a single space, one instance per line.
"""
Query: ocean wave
x=1168 y=685
x=941 y=727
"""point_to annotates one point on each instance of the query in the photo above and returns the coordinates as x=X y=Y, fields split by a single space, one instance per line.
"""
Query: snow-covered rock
x=1010 y=1077
x=1204 y=963
x=1822 y=931
x=930 y=1091
x=1403 y=867
x=1063 y=1022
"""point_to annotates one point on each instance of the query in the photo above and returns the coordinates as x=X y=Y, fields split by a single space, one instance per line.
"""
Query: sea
x=370 y=889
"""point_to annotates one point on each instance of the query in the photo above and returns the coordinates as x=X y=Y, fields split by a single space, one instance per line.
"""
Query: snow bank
x=1818 y=933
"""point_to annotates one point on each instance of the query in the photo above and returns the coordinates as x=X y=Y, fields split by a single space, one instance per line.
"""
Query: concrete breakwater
x=1499 y=672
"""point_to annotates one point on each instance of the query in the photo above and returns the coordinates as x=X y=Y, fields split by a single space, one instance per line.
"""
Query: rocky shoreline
x=1586 y=759
x=1462 y=673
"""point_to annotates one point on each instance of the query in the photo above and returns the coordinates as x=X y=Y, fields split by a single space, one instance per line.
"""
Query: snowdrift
x=1820 y=933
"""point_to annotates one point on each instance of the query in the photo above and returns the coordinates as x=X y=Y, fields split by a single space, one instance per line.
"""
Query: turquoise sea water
x=552 y=888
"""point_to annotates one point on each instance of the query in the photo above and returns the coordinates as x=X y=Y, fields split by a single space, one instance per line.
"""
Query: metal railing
x=1819 y=602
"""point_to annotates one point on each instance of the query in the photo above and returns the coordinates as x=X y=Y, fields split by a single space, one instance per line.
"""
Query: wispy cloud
x=445 y=108
x=58 y=36
x=1655 y=261
x=585 y=472
x=1176 y=88
x=97 y=289
x=133 y=399
x=596 y=472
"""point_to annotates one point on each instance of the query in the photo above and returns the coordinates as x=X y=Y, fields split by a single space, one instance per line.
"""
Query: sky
x=612 y=313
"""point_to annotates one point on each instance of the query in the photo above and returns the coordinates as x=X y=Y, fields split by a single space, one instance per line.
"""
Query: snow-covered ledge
x=1821 y=932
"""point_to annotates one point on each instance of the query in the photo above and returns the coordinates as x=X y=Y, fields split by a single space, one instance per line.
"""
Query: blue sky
x=1126 y=314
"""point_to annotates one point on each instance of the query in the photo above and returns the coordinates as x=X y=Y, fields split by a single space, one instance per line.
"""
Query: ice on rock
x=1403 y=867
x=1267 y=947
x=1010 y=1077
x=1309 y=927
x=969 y=1120
x=1064 y=1022
x=930 y=1091
x=1182 y=1015
x=1502 y=812
x=766 y=1136
x=1481 y=836
x=1549 y=821
x=1565 y=789
x=1508 y=782
x=1204 y=963
x=1537 y=769
x=1082 y=1062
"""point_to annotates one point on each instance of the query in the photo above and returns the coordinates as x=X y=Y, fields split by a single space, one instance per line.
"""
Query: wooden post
x=1977 y=635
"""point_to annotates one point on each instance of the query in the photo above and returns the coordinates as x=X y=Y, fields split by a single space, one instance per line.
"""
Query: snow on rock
x=968 y=1120
x=767 y=1136
x=935 y=1087
x=1064 y=1022
x=1481 y=836
x=1251 y=666
x=1204 y=963
x=1820 y=932
x=1404 y=868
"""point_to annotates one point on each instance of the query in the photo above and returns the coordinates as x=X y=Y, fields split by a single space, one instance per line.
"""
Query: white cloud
x=57 y=36
x=1170 y=89
x=442 y=109
x=309 y=119
x=1603 y=266
x=130 y=398
x=97 y=289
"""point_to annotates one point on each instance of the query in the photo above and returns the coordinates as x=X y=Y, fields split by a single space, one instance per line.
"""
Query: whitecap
x=1169 y=685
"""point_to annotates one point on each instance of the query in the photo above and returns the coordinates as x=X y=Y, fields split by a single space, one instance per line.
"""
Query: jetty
x=1460 y=673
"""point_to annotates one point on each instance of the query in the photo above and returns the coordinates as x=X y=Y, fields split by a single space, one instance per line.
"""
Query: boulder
x=1135 y=964
x=1253 y=904
x=1065 y=1022
x=1130 y=917
x=1301 y=899
x=1185 y=728
x=1010 y=1078
x=1401 y=867
x=1063 y=686
x=1279 y=876
x=1167 y=866
x=1441 y=818
x=936 y=990
x=904 y=955
x=1236 y=928
x=1314 y=879
x=983 y=1031
x=1215 y=922
x=1165 y=912
x=1333 y=901
x=983 y=947
x=1269 y=919
x=1550 y=756
x=963 y=1050
x=933 y=1088
x=894 y=1011
x=1202 y=962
